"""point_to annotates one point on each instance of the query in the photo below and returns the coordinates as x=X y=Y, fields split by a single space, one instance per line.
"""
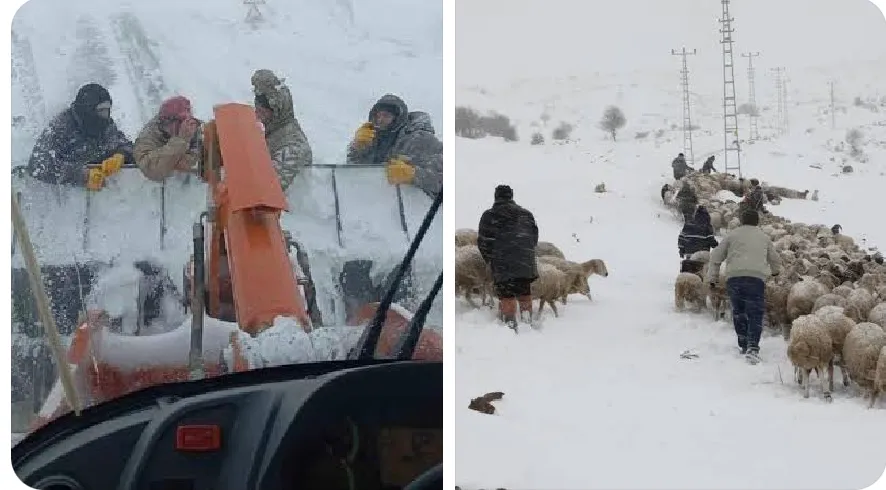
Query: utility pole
x=784 y=102
x=253 y=14
x=730 y=112
x=779 y=92
x=752 y=95
x=687 y=119
x=833 y=107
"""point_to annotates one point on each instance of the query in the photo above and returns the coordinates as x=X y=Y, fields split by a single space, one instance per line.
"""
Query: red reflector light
x=198 y=438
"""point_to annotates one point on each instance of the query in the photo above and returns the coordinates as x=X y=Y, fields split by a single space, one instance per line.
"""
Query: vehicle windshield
x=118 y=263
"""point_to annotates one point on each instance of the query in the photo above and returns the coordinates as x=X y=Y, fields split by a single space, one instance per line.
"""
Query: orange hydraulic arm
x=248 y=263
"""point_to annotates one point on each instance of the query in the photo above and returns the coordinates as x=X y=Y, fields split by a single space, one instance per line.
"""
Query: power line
x=687 y=118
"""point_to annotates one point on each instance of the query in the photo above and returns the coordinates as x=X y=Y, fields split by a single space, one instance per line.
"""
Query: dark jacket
x=507 y=236
x=755 y=200
x=681 y=168
x=687 y=200
x=410 y=135
x=63 y=150
x=708 y=166
x=697 y=234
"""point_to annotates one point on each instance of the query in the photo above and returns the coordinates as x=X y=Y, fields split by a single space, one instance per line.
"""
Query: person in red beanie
x=169 y=142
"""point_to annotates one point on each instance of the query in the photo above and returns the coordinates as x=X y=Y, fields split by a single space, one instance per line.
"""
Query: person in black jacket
x=755 y=199
x=697 y=234
x=507 y=237
x=82 y=134
x=687 y=200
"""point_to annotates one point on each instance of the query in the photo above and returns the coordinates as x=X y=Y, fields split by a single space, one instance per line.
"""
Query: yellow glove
x=112 y=165
x=95 y=179
x=400 y=172
x=365 y=134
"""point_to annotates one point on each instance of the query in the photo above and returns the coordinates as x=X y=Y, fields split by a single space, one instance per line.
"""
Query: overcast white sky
x=517 y=38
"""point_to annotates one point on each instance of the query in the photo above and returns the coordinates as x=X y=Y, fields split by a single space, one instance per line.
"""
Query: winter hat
x=755 y=182
x=503 y=192
x=84 y=107
x=175 y=108
x=89 y=96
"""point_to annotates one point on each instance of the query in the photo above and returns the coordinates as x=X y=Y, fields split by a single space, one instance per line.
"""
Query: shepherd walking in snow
x=403 y=141
x=681 y=168
x=697 y=234
x=507 y=237
x=750 y=258
x=80 y=135
x=687 y=200
x=169 y=142
x=708 y=166
x=287 y=143
x=755 y=199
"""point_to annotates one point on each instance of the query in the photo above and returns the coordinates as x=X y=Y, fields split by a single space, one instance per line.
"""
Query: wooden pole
x=39 y=292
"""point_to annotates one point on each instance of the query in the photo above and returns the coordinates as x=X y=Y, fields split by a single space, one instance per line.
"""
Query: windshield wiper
x=365 y=348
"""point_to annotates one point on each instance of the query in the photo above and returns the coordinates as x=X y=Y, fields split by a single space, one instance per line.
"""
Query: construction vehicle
x=239 y=278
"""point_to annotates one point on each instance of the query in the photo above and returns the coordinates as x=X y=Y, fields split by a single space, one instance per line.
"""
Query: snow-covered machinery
x=240 y=278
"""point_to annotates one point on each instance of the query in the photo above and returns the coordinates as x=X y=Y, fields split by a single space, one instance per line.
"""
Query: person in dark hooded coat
x=687 y=200
x=507 y=236
x=82 y=134
x=697 y=234
x=708 y=166
x=755 y=199
x=403 y=141
x=681 y=168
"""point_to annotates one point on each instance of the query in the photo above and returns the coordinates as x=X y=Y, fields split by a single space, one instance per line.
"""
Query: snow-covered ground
x=337 y=56
x=600 y=397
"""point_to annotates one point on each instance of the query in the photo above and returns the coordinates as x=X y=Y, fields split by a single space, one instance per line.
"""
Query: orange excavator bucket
x=430 y=342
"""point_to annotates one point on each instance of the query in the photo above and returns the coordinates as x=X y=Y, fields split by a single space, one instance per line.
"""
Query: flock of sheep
x=829 y=300
x=557 y=277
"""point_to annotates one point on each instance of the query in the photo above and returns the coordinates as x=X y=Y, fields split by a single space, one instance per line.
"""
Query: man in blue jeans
x=750 y=258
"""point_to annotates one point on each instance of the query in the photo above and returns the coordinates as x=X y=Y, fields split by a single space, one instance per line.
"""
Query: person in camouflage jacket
x=403 y=141
x=287 y=143
x=169 y=142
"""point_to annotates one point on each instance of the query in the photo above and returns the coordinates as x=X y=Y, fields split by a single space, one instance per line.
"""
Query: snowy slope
x=338 y=57
x=600 y=397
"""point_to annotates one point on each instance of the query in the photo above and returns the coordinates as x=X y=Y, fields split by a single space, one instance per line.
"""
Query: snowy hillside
x=601 y=397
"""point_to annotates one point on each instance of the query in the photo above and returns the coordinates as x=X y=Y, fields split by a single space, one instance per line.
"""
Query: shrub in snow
x=537 y=139
x=613 y=120
x=854 y=138
x=562 y=131
x=641 y=135
x=471 y=124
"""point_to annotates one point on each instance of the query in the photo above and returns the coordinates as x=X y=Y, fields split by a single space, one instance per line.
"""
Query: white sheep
x=465 y=236
x=548 y=287
x=879 y=378
x=838 y=326
x=860 y=302
x=861 y=352
x=543 y=249
x=472 y=273
x=689 y=287
x=878 y=315
x=811 y=348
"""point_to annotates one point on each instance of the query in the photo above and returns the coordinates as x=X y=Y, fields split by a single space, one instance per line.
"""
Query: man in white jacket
x=750 y=259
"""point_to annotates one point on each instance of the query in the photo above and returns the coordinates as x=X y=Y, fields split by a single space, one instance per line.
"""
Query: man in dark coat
x=755 y=198
x=708 y=166
x=507 y=237
x=686 y=201
x=681 y=168
x=404 y=141
x=697 y=234
x=82 y=134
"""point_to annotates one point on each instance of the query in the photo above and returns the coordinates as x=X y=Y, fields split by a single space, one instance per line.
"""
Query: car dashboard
x=355 y=425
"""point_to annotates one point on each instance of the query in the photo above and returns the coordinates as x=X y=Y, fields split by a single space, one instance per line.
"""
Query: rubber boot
x=525 y=303
x=508 y=310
